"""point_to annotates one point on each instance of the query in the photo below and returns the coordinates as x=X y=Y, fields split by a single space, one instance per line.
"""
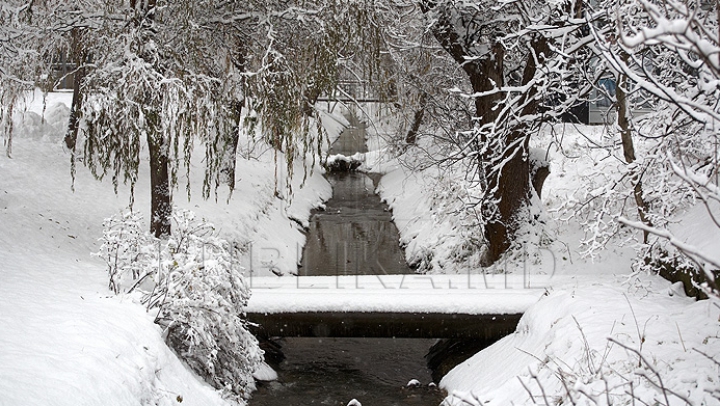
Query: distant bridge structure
x=351 y=91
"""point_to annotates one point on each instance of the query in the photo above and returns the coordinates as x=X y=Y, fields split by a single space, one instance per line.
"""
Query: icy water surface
x=333 y=371
x=353 y=235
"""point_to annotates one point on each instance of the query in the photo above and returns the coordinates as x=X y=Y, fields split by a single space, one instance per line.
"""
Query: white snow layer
x=565 y=336
x=563 y=339
x=445 y=294
x=64 y=338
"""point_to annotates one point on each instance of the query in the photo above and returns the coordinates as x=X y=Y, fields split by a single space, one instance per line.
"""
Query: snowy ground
x=562 y=351
x=65 y=340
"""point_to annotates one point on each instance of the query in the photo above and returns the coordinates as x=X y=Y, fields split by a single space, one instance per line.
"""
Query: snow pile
x=599 y=345
x=342 y=163
x=65 y=338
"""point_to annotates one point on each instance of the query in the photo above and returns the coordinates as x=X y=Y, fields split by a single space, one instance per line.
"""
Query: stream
x=353 y=235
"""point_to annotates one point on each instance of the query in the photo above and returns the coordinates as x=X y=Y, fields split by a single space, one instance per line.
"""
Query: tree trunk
x=411 y=137
x=508 y=193
x=78 y=57
x=161 y=198
x=629 y=148
x=230 y=142
x=158 y=144
x=230 y=145
x=509 y=189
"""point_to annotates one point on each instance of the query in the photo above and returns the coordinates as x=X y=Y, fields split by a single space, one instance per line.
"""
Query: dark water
x=333 y=371
x=353 y=235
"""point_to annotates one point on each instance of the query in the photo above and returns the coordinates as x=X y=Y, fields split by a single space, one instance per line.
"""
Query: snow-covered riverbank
x=65 y=339
x=602 y=333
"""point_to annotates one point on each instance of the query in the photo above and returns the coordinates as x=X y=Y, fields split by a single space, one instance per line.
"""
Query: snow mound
x=342 y=163
x=588 y=337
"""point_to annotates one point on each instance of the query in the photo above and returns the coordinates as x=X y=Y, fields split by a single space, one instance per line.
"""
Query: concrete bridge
x=413 y=306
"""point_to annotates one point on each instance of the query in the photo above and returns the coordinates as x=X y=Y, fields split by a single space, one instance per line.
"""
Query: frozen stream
x=354 y=235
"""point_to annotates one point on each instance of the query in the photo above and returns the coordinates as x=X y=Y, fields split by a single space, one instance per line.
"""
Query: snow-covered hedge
x=193 y=283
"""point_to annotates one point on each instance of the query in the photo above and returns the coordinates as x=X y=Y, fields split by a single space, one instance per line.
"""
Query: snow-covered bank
x=563 y=338
x=562 y=351
x=65 y=340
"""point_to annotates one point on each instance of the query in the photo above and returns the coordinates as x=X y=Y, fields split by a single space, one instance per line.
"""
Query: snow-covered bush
x=122 y=242
x=197 y=289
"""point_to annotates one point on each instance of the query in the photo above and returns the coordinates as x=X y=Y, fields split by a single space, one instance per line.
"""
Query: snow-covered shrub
x=122 y=242
x=197 y=289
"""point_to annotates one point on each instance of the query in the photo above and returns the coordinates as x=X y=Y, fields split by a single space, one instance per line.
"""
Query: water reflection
x=328 y=371
x=353 y=235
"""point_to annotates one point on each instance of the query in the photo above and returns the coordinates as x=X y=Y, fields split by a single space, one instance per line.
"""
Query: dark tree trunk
x=540 y=173
x=78 y=57
x=77 y=101
x=629 y=147
x=158 y=144
x=230 y=145
x=161 y=198
x=412 y=134
x=510 y=188
x=508 y=184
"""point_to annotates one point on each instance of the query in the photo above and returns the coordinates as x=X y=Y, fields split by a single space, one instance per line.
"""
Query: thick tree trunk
x=161 y=197
x=158 y=144
x=230 y=145
x=508 y=193
x=509 y=186
x=78 y=57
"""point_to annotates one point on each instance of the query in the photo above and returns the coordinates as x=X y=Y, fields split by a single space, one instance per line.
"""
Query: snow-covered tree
x=22 y=49
x=161 y=75
x=519 y=59
x=664 y=55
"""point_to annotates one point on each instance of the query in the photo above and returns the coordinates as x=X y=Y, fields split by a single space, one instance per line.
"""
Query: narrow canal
x=353 y=235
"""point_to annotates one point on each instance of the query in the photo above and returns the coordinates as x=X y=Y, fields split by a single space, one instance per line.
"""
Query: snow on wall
x=444 y=294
